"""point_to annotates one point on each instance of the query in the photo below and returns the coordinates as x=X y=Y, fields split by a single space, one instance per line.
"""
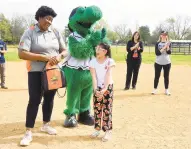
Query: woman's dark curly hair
x=45 y=11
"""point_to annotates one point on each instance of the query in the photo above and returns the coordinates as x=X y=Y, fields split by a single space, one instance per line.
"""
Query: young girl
x=100 y=69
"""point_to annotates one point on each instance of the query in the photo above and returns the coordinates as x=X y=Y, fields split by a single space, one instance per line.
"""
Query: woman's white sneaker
x=26 y=139
x=167 y=92
x=46 y=128
x=154 y=91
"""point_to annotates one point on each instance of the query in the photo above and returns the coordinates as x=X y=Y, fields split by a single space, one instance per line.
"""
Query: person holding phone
x=134 y=49
x=162 y=51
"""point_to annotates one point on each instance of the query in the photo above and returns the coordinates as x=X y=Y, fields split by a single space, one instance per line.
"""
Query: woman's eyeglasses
x=99 y=49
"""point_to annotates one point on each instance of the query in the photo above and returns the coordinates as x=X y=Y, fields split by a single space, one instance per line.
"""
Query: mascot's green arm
x=97 y=37
x=80 y=49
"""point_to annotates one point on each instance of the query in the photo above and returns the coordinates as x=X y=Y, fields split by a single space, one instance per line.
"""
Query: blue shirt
x=3 y=46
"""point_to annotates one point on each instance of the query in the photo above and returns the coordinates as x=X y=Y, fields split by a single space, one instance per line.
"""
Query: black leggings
x=158 y=69
x=35 y=96
x=132 y=68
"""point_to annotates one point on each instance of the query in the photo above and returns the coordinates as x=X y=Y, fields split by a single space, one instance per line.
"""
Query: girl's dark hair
x=45 y=11
x=134 y=35
x=106 y=47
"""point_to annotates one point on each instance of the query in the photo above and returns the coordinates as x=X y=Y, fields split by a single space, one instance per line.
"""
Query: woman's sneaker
x=107 y=136
x=95 y=134
x=154 y=91
x=47 y=129
x=167 y=92
x=26 y=139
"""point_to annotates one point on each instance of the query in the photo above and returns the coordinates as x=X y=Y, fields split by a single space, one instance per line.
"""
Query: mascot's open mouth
x=85 y=25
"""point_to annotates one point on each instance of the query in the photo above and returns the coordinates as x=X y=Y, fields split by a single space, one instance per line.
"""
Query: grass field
x=119 y=54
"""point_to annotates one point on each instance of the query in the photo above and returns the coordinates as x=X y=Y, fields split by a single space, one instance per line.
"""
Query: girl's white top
x=101 y=70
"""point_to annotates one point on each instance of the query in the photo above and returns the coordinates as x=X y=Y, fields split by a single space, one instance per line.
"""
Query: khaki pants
x=2 y=74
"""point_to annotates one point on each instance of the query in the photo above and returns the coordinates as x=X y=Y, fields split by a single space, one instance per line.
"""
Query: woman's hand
x=103 y=91
x=136 y=46
x=44 y=58
x=55 y=60
x=97 y=93
x=167 y=46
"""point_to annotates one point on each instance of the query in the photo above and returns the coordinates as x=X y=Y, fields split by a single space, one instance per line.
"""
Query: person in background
x=40 y=44
x=162 y=51
x=3 y=50
x=134 y=49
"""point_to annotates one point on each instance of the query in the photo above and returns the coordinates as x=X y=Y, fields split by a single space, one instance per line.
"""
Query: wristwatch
x=62 y=56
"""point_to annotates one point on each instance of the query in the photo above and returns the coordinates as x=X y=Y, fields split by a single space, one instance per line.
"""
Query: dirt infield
x=140 y=120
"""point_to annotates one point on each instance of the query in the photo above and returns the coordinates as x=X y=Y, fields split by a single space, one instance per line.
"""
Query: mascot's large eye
x=81 y=10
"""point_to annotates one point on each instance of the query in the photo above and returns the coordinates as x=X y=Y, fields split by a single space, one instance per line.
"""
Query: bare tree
x=122 y=32
x=17 y=27
x=156 y=33
x=29 y=20
x=102 y=23
x=179 y=27
x=144 y=32
x=19 y=24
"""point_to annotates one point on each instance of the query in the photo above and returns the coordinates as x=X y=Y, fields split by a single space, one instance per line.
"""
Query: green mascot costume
x=81 y=44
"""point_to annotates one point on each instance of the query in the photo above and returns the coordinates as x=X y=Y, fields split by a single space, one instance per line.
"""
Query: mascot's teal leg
x=73 y=97
x=79 y=95
x=84 y=116
x=86 y=96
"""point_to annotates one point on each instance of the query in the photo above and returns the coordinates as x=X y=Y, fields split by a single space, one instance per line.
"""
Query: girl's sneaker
x=95 y=134
x=167 y=92
x=154 y=91
x=26 y=139
x=107 y=136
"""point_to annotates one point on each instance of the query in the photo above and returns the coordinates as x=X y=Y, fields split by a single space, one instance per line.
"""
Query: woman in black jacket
x=134 y=49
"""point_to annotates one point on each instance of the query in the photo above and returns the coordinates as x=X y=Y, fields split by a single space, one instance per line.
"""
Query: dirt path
x=141 y=121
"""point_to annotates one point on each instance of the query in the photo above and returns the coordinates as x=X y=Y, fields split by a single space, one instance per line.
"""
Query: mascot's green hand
x=95 y=38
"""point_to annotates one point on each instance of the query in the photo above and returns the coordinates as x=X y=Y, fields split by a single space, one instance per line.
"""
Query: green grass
x=148 y=56
x=119 y=54
x=12 y=56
